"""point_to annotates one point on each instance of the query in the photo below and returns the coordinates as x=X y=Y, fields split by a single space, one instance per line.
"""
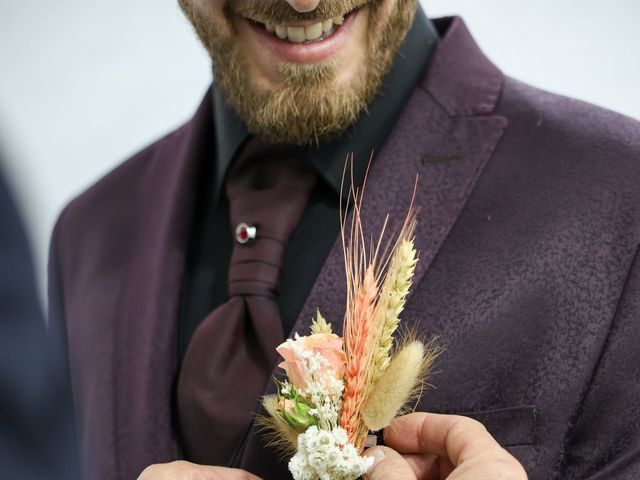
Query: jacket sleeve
x=604 y=442
x=58 y=339
x=36 y=432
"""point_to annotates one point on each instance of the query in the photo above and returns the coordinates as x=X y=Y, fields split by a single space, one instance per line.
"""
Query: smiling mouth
x=307 y=33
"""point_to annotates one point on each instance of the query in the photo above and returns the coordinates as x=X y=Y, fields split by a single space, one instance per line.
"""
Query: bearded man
x=176 y=276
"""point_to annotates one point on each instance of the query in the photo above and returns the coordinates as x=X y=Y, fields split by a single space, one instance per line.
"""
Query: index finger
x=452 y=436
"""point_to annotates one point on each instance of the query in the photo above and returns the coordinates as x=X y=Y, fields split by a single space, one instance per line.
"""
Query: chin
x=305 y=82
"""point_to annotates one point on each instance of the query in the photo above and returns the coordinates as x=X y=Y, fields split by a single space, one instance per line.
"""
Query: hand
x=427 y=446
x=190 y=471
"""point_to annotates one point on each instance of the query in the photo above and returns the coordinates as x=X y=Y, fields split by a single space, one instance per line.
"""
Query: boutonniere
x=338 y=390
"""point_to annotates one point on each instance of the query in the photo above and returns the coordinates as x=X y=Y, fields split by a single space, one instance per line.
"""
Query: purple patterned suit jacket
x=529 y=274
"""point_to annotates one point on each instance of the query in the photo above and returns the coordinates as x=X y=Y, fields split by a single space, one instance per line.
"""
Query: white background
x=86 y=83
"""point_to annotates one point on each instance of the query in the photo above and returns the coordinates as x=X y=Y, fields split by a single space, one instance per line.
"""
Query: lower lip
x=311 y=52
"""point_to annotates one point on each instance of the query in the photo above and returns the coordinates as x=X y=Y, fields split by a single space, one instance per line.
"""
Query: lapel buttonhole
x=428 y=159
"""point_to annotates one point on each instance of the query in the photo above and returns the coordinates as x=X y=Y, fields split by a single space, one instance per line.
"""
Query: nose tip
x=304 y=5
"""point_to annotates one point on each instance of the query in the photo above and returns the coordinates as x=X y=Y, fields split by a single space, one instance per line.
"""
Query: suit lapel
x=146 y=328
x=448 y=155
x=445 y=136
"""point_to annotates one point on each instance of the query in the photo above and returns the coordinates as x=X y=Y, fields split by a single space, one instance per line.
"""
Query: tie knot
x=255 y=268
x=268 y=189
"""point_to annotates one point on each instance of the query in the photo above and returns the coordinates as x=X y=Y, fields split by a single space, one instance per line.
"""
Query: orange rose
x=328 y=345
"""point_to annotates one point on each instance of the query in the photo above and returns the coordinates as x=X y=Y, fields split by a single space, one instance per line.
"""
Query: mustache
x=280 y=12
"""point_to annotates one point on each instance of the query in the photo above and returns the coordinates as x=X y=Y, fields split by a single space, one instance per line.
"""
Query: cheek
x=261 y=67
x=381 y=14
x=385 y=9
x=352 y=60
x=209 y=5
x=214 y=13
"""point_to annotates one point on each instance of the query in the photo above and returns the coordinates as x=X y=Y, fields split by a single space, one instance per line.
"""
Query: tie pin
x=245 y=232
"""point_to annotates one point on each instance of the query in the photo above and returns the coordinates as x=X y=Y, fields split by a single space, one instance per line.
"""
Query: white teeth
x=313 y=32
x=296 y=34
x=303 y=34
x=281 y=32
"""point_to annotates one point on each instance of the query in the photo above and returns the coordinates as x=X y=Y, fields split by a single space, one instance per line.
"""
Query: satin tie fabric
x=232 y=353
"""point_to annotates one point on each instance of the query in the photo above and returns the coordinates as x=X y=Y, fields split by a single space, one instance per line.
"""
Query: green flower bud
x=296 y=413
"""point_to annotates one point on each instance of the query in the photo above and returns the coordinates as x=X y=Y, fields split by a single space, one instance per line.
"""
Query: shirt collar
x=366 y=136
x=230 y=132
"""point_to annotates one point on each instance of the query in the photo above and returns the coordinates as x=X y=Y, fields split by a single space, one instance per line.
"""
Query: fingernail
x=376 y=453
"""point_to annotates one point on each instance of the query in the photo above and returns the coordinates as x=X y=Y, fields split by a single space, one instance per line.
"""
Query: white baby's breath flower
x=327 y=455
x=285 y=388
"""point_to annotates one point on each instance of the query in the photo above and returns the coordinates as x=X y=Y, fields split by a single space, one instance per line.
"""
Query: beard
x=307 y=107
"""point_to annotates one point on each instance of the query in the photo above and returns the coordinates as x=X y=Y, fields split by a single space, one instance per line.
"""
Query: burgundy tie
x=232 y=353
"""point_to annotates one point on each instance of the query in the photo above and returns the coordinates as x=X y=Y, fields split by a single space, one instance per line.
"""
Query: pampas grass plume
x=401 y=381
x=278 y=434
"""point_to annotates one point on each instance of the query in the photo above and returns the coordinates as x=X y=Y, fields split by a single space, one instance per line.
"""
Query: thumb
x=387 y=463
x=220 y=473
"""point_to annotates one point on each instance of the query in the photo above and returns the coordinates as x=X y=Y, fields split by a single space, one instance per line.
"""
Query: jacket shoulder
x=586 y=127
x=589 y=146
x=111 y=205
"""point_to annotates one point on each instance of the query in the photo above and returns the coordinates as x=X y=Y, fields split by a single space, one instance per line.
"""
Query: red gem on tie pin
x=245 y=232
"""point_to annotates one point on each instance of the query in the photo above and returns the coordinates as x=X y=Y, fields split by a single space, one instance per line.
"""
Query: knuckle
x=164 y=471
x=511 y=460
x=464 y=425
x=505 y=466
x=152 y=472
x=392 y=465
x=473 y=423
x=514 y=470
